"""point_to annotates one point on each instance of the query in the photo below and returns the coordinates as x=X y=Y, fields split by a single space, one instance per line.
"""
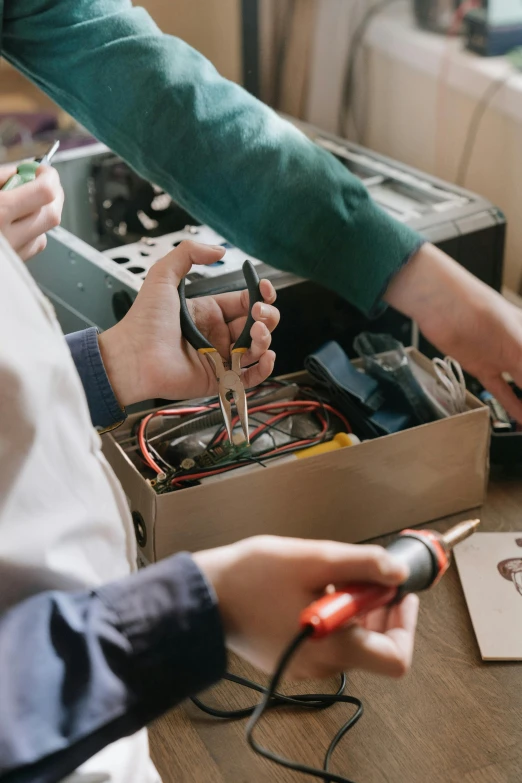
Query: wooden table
x=453 y=719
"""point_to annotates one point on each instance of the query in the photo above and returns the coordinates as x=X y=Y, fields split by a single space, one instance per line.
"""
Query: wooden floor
x=454 y=718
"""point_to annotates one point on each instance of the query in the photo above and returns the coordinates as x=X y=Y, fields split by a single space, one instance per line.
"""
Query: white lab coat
x=61 y=507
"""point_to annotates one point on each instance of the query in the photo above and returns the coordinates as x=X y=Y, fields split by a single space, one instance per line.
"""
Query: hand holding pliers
x=228 y=374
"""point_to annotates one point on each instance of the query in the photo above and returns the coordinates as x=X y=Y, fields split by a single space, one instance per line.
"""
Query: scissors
x=228 y=374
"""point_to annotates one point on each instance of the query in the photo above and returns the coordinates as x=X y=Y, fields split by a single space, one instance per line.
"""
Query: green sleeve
x=226 y=157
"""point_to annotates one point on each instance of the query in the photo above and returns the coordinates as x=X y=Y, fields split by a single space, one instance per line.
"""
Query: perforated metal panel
x=137 y=258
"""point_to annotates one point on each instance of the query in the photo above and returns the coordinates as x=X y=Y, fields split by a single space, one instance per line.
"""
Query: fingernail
x=264 y=311
x=218 y=247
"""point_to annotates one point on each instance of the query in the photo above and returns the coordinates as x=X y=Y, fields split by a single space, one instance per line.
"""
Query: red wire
x=169 y=412
x=197 y=476
x=143 y=424
x=304 y=406
x=309 y=405
x=289 y=446
x=183 y=411
x=301 y=404
x=141 y=440
x=315 y=404
x=266 y=424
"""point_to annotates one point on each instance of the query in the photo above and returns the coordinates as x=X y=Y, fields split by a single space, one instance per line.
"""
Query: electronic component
x=280 y=425
x=340 y=441
x=221 y=454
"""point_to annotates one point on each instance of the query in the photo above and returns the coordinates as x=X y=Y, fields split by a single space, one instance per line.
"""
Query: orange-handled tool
x=427 y=554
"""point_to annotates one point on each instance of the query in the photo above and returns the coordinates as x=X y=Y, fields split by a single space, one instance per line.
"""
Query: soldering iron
x=427 y=554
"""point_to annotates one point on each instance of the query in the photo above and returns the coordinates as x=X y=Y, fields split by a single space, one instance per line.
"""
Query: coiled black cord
x=271 y=698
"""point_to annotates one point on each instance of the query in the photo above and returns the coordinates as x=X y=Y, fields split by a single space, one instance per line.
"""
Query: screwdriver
x=427 y=554
x=26 y=171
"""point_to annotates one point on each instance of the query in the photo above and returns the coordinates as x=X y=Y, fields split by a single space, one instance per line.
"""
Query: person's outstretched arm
x=237 y=166
x=226 y=157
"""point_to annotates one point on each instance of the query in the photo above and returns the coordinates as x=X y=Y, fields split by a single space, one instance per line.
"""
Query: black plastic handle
x=194 y=336
x=188 y=329
x=252 y=280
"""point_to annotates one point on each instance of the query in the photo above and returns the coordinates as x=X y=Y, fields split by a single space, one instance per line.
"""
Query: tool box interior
x=350 y=493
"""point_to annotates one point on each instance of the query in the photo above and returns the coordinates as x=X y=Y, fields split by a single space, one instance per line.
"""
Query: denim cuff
x=105 y=410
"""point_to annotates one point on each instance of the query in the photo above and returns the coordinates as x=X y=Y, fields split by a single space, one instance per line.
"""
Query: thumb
x=176 y=264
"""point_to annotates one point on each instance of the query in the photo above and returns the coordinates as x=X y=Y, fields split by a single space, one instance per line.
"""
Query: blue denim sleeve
x=105 y=410
x=108 y=662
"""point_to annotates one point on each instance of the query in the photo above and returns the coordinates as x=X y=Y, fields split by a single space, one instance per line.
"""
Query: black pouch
x=387 y=362
x=362 y=399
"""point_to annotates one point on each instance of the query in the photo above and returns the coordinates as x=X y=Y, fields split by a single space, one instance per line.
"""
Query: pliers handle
x=192 y=334
x=229 y=379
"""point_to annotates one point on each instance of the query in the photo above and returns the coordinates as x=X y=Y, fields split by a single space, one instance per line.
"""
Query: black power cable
x=310 y=701
x=281 y=49
x=348 y=89
x=272 y=698
x=474 y=126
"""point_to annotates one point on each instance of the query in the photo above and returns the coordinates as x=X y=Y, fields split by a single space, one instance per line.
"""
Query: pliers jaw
x=231 y=388
x=229 y=377
x=239 y=393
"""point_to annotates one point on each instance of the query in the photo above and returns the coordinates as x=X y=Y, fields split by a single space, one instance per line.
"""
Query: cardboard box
x=352 y=494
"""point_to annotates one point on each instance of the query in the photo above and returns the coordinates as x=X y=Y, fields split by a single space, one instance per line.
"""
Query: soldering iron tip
x=459 y=532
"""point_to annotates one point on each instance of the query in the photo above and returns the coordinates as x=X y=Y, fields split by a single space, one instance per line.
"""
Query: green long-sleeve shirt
x=226 y=157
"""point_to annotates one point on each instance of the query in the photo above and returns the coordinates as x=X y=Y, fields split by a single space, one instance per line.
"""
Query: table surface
x=454 y=718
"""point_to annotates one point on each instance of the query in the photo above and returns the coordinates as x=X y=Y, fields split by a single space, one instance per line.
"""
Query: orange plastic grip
x=335 y=610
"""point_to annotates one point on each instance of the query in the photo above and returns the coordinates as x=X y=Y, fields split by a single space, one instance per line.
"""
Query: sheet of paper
x=490 y=569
